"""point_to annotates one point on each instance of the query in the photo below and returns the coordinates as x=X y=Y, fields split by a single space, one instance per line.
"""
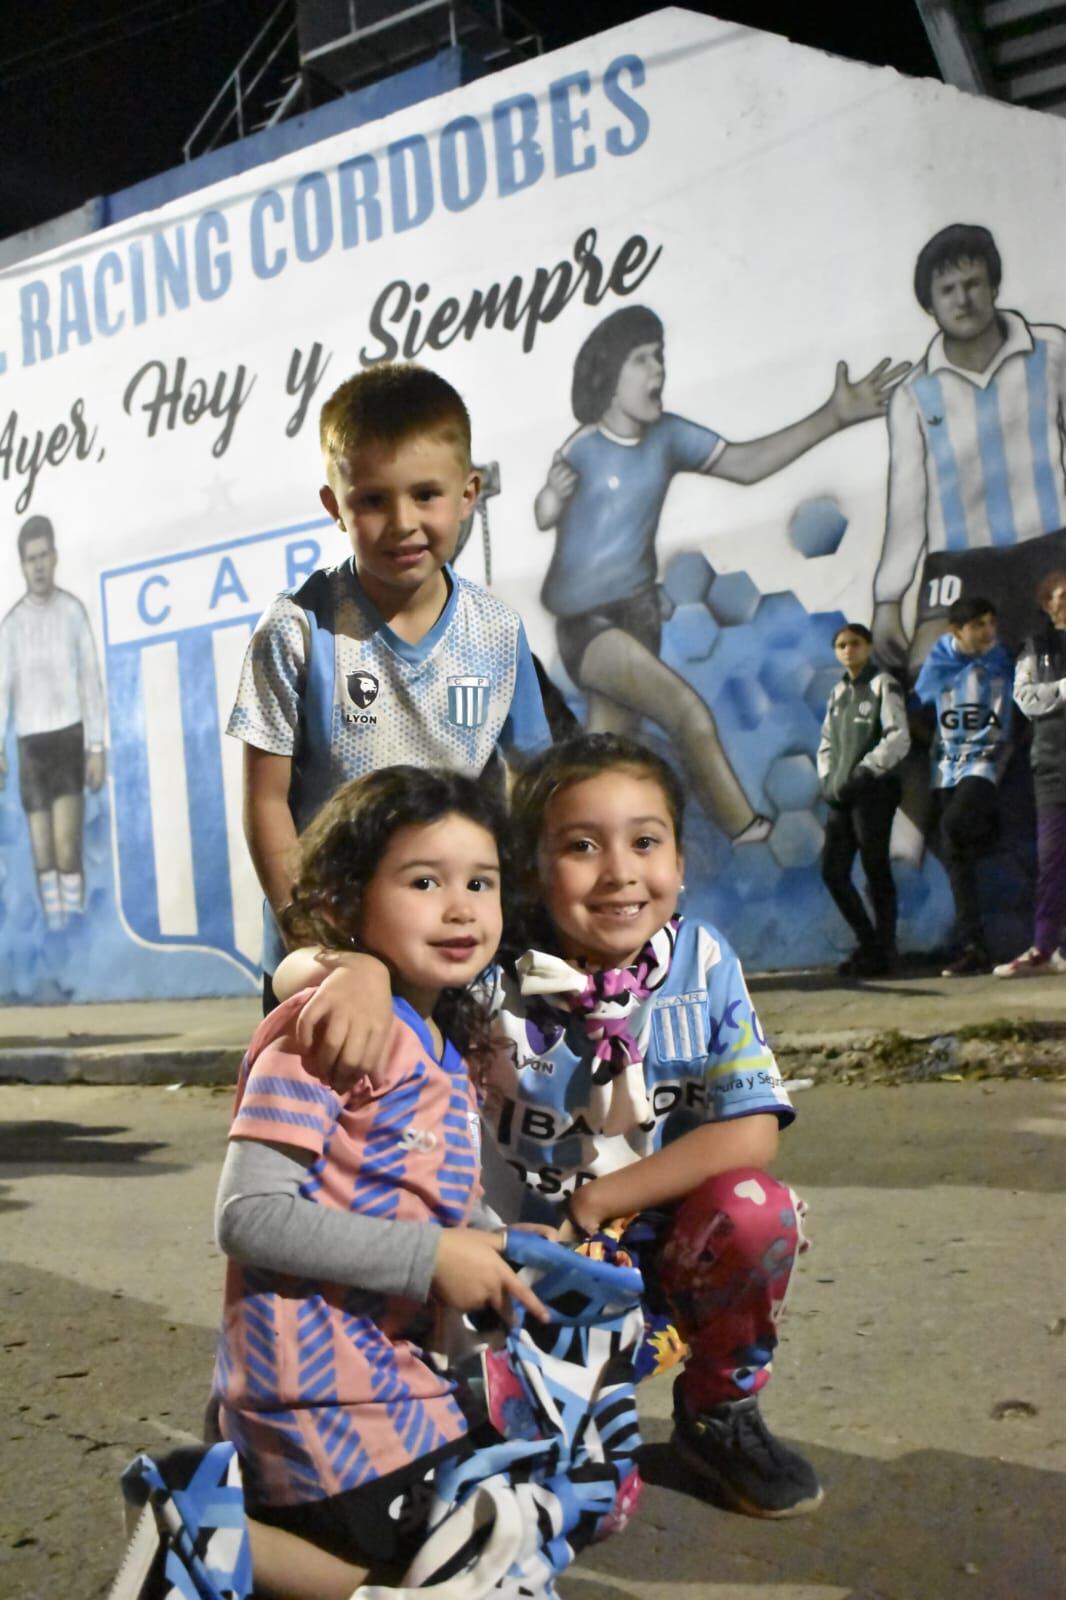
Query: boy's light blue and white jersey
x=326 y=682
x=706 y=1059
x=972 y=697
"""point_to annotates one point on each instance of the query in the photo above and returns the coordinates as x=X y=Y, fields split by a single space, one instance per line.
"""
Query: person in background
x=967 y=680
x=1040 y=694
x=864 y=738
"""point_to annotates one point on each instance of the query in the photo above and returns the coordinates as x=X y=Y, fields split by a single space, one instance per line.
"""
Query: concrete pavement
x=920 y=1358
x=201 y=1041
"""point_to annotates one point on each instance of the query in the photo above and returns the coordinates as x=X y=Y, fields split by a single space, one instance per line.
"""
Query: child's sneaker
x=734 y=1451
x=1033 y=963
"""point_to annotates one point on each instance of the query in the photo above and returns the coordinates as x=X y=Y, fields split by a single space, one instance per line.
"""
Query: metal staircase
x=311 y=51
x=1012 y=50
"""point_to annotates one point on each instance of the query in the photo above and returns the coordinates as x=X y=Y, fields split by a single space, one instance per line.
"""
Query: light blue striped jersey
x=976 y=458
x=972 y=697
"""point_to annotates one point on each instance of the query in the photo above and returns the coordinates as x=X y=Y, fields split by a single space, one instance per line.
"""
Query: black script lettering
x=24 y=455
x=303 y=381
x=170 y=401
x=398 y=325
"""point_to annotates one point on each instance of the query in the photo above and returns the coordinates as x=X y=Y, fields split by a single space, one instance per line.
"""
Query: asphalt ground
x=922 y=1355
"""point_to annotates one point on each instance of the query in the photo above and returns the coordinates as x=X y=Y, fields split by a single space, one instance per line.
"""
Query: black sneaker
x=750 y=1471
x=974 y=959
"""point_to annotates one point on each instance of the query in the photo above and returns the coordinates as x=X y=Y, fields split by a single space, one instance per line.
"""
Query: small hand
x=543 y=1228
x=471 y=1273
x=562 y=477
x=867 y=397
x=582 y=1215
x=345 y=1029
x=95 y=767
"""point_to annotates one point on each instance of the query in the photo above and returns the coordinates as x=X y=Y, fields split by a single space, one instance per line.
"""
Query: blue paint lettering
x=152 y=618
x=632 y=110
x=564 y=124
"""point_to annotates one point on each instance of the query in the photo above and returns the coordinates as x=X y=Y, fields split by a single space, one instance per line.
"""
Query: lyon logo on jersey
x=363 y=688
x=468 y=701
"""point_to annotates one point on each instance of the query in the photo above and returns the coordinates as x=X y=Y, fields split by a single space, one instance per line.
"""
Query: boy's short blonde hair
x=390 y=403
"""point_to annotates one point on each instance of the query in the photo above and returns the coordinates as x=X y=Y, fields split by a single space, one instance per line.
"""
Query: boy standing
x=968 y=679
x=389 y=657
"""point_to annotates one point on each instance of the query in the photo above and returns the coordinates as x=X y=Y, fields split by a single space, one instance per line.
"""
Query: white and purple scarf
x=607 y=1002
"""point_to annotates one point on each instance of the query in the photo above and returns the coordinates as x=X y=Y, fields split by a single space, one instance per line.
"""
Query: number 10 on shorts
x=944 y=591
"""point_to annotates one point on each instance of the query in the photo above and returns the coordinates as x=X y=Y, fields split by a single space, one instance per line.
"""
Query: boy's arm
x=895 y=738
x=674 y=1172
x=905 y=527
x=344 y=1029
x=825 y=745
x=867 y=397
x=526 y=730
x=268 y=824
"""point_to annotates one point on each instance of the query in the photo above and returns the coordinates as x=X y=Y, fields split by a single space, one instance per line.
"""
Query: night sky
x=96 y=96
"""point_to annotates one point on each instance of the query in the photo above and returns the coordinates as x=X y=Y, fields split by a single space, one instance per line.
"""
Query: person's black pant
x=864 y=826
x=969 y=827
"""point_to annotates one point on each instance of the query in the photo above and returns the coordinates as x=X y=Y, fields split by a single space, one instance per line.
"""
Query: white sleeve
x=6 y=683
x=895 y=738
x=266 y=712
x=90 y=689
x=905 y=527
x=821 y=760
x=1033 y=699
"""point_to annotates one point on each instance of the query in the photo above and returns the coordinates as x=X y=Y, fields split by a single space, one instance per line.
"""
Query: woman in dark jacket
x=864 y=739
x=1040 y=692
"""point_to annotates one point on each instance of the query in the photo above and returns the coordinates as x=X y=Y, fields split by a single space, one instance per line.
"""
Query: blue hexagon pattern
x=817 y=526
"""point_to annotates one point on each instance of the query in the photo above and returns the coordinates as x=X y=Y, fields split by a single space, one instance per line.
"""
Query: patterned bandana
x=606 y=1001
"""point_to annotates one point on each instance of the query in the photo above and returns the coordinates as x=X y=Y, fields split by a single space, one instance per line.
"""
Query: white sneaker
x=1033 y=964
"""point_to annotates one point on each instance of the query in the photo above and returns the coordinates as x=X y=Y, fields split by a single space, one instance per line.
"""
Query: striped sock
x=51 y=900
x=72 y=893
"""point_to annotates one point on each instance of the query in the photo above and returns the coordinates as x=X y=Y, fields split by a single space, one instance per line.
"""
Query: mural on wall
x=603 y=496
x=51 y=691
x=976 y=485
x=541 y=237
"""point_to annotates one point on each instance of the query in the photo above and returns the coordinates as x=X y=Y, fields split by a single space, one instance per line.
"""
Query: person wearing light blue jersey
x=390 y=657
x=968 y=680
x=976 y=482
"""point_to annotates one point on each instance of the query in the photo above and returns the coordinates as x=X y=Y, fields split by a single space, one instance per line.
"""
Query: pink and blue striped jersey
x=322 y=1385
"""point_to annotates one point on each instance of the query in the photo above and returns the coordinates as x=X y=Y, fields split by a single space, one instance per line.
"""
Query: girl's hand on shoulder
x=344 y=1031
x=471 y=1273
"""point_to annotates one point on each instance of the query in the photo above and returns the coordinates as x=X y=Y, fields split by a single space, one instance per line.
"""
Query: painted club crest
x=363 y=688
